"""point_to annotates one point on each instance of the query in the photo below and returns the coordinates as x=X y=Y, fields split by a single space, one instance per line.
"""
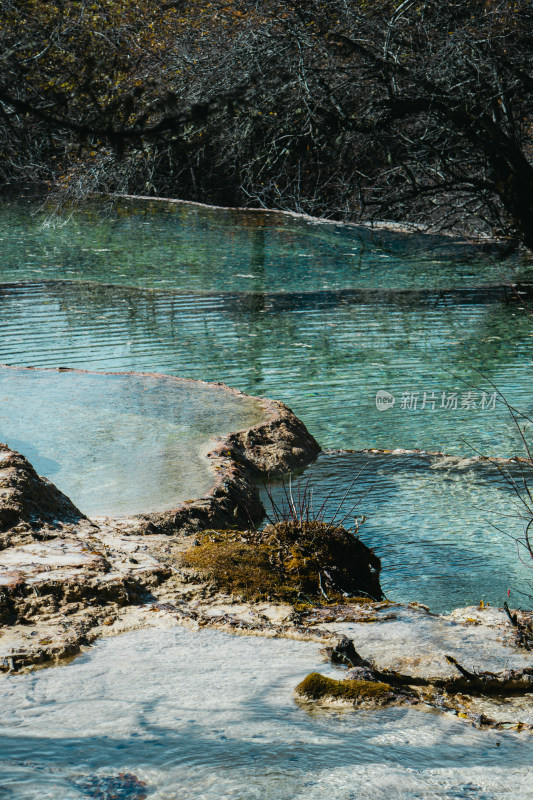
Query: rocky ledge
x=65 y=579
x=271 y=448
x=27 y=501
x=474 y=663
x=61 y=575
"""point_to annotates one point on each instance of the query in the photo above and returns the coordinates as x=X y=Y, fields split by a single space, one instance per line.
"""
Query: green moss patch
x=317 y=686
x=296 y=563
x=237 y=567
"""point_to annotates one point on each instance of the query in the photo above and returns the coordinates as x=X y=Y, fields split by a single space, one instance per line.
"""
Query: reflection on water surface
x=322 y=317
x=326 y=358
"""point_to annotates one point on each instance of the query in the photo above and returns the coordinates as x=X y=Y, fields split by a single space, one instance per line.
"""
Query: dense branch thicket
x=419 y=111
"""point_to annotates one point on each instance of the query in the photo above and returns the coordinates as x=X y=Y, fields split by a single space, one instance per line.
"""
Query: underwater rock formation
x=124 y=786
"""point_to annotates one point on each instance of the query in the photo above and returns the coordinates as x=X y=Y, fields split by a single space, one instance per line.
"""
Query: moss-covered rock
x=289 y=562
x=316 y=687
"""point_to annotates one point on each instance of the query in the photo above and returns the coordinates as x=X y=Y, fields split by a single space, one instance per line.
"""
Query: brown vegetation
x=416 y=110
x=312 y=562
x=316 y=686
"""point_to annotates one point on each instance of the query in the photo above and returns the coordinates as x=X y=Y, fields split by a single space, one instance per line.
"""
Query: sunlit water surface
x=320 y=316
x=119 y=444
x=207 y=715
x=445 y=529
x=325 y=356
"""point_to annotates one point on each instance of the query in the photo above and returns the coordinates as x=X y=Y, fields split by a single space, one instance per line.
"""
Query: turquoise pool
x=321 y=316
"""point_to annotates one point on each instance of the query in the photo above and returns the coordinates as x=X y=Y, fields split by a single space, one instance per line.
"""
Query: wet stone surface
x=124 y=786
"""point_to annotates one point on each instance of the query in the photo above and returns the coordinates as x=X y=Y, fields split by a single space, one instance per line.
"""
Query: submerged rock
x=123 y=786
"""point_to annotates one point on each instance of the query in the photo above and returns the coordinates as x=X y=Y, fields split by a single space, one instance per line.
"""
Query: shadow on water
x=47 y=466
x=173 y=725
x=200 y=248
x=314 y=745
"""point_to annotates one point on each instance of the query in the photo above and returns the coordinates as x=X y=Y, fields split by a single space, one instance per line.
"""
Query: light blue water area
x=322 y=317
x=207 y=715
x=119 y=444
x=445 y=529
x=161 y=245
x=325 y=356
x=165 y=288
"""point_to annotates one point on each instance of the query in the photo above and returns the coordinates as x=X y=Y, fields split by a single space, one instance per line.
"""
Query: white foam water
x=207 y=715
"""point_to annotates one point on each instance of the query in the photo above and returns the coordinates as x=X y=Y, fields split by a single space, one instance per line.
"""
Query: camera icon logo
x=384 y=400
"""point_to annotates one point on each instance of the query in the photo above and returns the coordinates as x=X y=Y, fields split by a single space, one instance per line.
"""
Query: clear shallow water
x=325 y=354
x=207 y=715
x=118 y=444
x=161 y=245
x=288 y=309
x=167 y=289
x=430 y=520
